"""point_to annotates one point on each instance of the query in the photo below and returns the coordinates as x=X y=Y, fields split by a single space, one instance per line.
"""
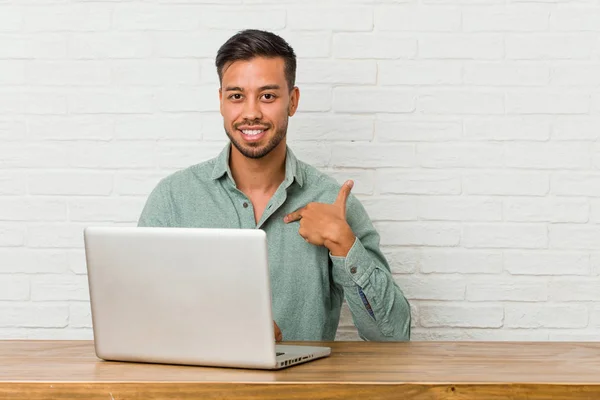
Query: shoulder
x=194 y=176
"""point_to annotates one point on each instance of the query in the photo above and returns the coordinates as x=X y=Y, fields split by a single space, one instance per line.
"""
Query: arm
x=379 y=309
x=157 y=210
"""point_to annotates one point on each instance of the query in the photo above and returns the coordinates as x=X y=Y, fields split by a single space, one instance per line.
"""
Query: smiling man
x=322 y=245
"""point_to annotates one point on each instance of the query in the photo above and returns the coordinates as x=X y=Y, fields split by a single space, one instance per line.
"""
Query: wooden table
x=417 y=370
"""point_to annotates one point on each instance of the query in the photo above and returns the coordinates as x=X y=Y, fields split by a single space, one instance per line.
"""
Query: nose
x=252 y=110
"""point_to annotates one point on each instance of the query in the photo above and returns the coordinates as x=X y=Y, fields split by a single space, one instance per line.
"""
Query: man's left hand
x=324 y=224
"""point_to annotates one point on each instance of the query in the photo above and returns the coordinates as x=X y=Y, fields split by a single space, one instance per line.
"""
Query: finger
x=293 y=216
x=278 y=334
x=342 y=197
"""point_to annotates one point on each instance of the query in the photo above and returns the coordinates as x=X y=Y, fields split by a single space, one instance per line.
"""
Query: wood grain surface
x=368 y=370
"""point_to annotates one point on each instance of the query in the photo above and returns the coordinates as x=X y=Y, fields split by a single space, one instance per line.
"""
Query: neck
x=260 y=175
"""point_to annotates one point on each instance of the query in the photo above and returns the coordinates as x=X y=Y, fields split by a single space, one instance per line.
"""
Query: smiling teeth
x=252 y=132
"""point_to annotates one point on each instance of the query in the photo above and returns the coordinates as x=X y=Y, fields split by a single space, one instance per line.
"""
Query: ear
x=294 y=99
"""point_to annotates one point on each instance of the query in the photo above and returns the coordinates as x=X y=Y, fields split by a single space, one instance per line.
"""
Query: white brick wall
x=470 y=128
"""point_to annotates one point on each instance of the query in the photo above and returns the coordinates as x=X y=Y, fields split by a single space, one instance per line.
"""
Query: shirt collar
x=293 y=170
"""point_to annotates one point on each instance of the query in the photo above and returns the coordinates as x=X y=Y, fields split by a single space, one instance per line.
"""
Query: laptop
x=185 y=296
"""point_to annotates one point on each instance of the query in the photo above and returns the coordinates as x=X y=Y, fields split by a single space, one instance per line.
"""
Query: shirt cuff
x=355 y=268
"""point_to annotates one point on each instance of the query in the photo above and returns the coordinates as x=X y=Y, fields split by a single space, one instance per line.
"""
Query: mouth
x=252 y=134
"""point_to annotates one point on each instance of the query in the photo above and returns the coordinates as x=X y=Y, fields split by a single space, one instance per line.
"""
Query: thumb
x=342 y=196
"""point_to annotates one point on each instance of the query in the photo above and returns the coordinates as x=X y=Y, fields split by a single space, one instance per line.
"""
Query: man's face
x=256 y=104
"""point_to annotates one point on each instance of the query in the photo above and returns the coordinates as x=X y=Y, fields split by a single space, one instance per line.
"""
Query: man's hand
x=278 y=334
x=325 y=224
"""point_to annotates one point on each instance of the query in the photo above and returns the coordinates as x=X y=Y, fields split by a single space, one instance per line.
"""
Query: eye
x=269 y=96
x=235 y=96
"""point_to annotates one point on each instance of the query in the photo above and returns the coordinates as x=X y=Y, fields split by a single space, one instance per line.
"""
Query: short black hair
x=250 y=43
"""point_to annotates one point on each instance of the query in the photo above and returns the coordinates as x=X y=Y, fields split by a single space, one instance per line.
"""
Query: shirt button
x=245 y=205
x=353 y=270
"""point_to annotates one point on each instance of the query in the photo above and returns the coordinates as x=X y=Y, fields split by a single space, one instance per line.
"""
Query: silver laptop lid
x=179 y=295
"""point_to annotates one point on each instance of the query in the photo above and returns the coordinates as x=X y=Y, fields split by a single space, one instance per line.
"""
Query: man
x=322 y=245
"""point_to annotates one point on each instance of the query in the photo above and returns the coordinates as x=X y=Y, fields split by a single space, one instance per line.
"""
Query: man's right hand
x=278 y=334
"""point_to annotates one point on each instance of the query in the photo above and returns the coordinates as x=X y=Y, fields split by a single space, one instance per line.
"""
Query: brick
x=112 y=155
x=144 y=16
x=330 y=18
x=32 y=315
x=460 y=261
x=460 y=102
x=12 y=72
x=32 y=102
x=411 y=18
x=190 y=44
x=80 y=315
x=11 y=18
x=316 y=98
x=241 y=18
x=595 y=316
x=183 y=155
x=330 y=127
x=72 y=127
x=108 y=209
x=373 y=100
x=12 y=183
x=55 y=235
x=512 y=289
x=317 y=154
x=555 y=209
x=574 y=237
x=32 y=261
x=576 y=184
x=497 y=236
x=32 y=209
x=548 y=155
x=422 y=72
x=397 y=208
x=506 y=183
x=506 y=18
x=462 y=46
x=433 y=288
x=546 y=263
x=76 y=261
x=451 y=155
x=547 y=103
x=13 y=129
x=577 y=336
x=568 y=19
x=184 y=126
x=418 y=182
x=310 y=44
x=562 y=46
x=326 y=71
x=459 y=208
x=576 y=75
x=32 y=46
x=11 y=235
x=136 y=182
x=402 y=261
x=373 y=155
x=595 y=210
x=59 y=287
x=68 y=17
x=84 y=73
x=575 y=289
x=34 y=155
x=14 y=288
x=106 y=45
x=393 y=128
x=545 y=316
x=199 y=98
x=155 y=72
x=461 y=315
x=369 y=46
x=418 y=233
x=507 y=128
x=478 y=334
x=506 y=74
x=71 y=183
x=576 y=128
x=363 y=179
x=112 y=101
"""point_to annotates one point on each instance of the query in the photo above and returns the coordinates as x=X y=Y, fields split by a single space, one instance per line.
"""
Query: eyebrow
x=239 y=89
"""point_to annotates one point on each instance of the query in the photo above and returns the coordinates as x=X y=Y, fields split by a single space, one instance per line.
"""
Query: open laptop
x=185 y=296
